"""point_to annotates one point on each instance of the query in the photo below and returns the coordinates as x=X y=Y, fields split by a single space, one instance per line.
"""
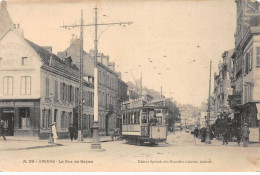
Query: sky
x=162 y=43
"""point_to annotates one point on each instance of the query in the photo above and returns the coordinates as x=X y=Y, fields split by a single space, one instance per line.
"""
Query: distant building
x=222 y=88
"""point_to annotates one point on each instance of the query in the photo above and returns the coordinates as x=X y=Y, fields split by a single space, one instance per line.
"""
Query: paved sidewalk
x=25 y=143
x=215 y=142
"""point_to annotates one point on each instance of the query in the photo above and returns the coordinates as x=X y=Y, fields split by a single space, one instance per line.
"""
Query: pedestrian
x=54 y=132
x=225 y=137
x=196 y=132
x=71 y=131
x=245 y=134
x=238 y=135
x=2 y=129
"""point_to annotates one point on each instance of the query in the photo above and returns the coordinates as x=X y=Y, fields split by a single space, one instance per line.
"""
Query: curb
x=33 y=147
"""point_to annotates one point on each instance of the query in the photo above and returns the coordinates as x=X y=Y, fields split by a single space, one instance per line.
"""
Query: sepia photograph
x=130 y=86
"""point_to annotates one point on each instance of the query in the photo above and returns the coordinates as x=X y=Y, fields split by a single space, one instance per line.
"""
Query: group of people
x=241 y=134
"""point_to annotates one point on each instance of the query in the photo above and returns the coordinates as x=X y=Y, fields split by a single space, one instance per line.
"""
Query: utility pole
x=80 y=100
x=208 y=141
x=95 y=139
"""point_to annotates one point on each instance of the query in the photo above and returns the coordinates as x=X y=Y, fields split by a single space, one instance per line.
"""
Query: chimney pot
x=3 y=4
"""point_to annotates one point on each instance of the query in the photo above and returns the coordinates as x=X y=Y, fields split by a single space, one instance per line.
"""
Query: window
x=46 y=118
x=69 y=93
x=25 y=85
x=251 y=59
x=24 y=61
x=65 y=92
x=47 y=86
x=24 y=118
x=63 y=119
x=56 y=95
x=257 y=56
x=55 y=115
x=8 y=85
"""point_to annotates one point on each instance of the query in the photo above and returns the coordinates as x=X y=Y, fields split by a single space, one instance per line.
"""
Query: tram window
x=128 y=118
x=144 y=118
x=137 y=118
x=159 y=119
x=133 y=118
x=123 y=118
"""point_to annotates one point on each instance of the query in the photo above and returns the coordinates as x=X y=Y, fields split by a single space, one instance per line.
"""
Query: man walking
x=245 y=135
x=72 y=132
x=2 y=129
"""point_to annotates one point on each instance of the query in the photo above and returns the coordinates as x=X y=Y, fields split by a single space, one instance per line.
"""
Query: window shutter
x=72 y=94
x=65 y=92
x=61 y=91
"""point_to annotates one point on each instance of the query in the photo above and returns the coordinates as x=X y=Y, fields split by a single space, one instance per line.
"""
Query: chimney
x=111 y=65
x=49 y=48
x=3 y=4
x=68 y=61
x=18 y=30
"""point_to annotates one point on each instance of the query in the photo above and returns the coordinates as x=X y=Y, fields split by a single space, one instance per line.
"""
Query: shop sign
x=8 y=111
x=7 y=103
x=24 y=103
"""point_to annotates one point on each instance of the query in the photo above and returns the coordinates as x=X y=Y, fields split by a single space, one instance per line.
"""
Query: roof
x=5 y=19
x=46 y=55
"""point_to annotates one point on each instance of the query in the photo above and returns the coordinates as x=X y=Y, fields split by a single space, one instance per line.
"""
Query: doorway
x=8 y=118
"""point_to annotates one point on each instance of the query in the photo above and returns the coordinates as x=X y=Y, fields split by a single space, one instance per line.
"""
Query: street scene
x=143 y=86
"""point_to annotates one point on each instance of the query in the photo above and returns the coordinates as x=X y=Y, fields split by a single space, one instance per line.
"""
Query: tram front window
x=144 y=119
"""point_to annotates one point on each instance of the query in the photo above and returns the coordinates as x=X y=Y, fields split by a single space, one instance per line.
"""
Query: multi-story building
x=111 y=89
x=37 y=87
x=222 y=88
x=245 y=79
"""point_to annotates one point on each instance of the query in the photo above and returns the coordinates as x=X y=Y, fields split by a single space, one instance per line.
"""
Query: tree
x=173 y=112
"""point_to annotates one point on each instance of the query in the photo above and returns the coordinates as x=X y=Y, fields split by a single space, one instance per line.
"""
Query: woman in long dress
x=54 y=132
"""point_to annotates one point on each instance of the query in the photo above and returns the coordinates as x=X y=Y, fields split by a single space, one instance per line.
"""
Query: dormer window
x=24 y=61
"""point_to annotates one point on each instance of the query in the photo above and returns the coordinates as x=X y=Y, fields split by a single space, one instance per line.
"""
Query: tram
x=144 y=121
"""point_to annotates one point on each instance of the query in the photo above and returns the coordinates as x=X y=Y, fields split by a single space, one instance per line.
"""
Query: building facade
x=222 y=88
x=112 y=91
x=37 y=87
x=245 y=78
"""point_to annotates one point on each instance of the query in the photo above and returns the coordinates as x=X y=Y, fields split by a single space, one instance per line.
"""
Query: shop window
x=257 y=56
x=64 y=120
x=46 y=118
x=25 y=85
x=24 y=118
x=8 y=85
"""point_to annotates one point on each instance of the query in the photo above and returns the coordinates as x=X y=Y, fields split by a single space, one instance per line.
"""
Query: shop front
x=21 y=117
x=250 y=115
